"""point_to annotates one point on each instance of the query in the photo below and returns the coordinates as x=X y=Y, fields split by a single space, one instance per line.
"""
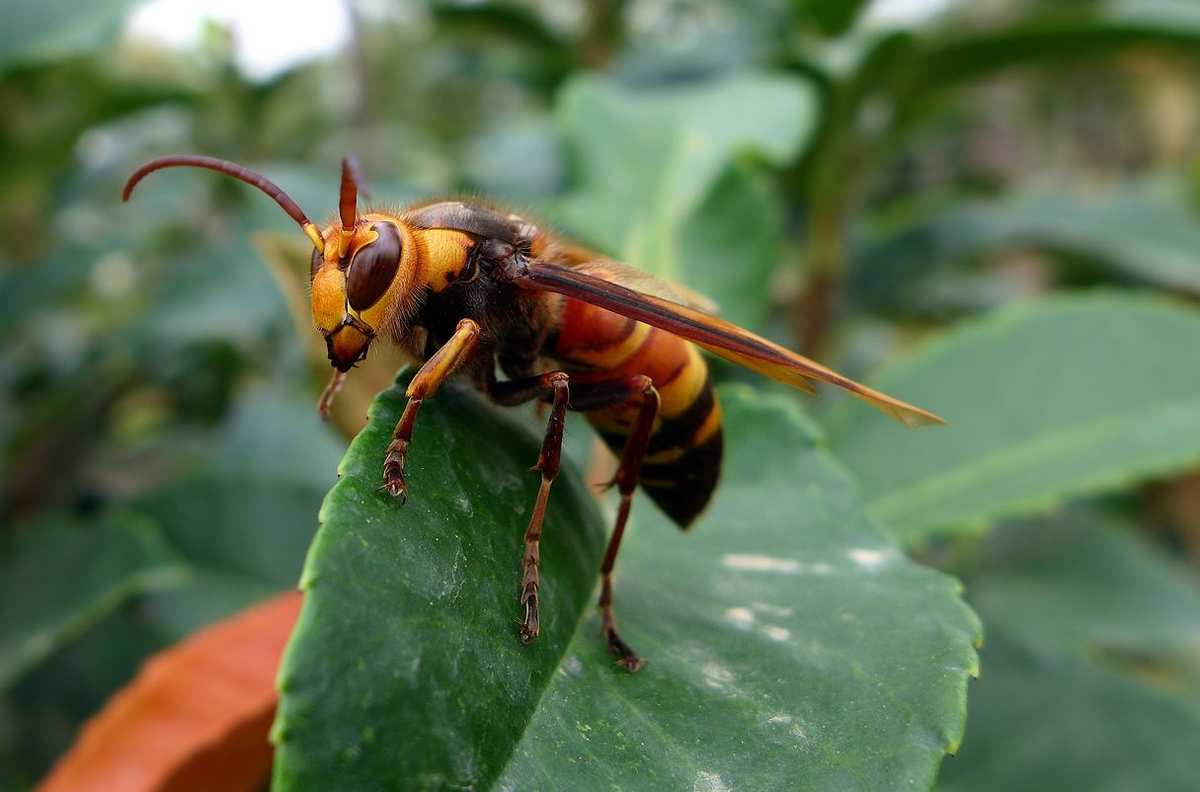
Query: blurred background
x=854 y=179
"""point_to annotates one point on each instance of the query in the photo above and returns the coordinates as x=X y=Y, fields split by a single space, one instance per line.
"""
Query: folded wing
x=718 y=336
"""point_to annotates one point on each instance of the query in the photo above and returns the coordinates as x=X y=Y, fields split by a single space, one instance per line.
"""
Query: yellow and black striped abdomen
x=683 y=461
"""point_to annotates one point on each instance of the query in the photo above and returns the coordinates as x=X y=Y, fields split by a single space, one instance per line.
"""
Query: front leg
x=424 y=385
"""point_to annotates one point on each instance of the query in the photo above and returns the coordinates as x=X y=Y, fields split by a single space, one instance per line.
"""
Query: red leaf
x=196 y=716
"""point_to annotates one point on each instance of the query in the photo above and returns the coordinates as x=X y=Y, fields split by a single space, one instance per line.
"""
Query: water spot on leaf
x=783 y=566
x=742 y=617
x=717 y=676
x=761 y=563
x=868 y=558
x=789 y=722
x=709 y=782
x=571 y=666
x=777 y=633
x=772 y=610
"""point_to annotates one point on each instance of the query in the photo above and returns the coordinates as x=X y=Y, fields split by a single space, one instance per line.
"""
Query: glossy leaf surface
x=789 y=642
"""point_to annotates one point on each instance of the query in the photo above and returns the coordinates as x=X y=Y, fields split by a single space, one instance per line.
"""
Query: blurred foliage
x=831 y=175
x=1092 y=662
x=1074 y=406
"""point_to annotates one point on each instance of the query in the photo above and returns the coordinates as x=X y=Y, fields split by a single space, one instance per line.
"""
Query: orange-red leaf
x=195 y=718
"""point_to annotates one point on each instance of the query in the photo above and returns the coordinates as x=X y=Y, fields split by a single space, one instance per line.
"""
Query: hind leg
x=628 y=472
x=583 y=396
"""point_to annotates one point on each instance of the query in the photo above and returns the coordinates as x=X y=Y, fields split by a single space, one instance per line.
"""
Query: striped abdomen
x=683 y=460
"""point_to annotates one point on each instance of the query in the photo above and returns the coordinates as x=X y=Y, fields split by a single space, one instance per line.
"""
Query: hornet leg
x=424 y=385
x=583 y=396
x=555 y=383
x=628 y=472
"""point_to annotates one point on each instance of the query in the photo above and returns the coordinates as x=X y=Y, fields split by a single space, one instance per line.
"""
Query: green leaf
x=762 y=630
x=954 y=58
x=62 y=577
x=553 y=56
x=421 y=603
x=244 y=519
x=1085 y=583
x=1044 y=401
x=789 y=643
x=644 y=159
x=233 y=532
x=1092 y=669
x=1181 y=14
x=53 y=29
x=831 y=17
x=1071 y=726
x=45 y=709
x=908 y=72
x=729 y=245
x=1145 y=228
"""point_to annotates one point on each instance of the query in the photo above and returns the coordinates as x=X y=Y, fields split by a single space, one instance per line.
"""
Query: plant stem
x=603 y=31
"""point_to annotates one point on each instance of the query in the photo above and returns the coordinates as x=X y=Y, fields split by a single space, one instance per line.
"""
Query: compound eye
x=373 y=267
x=317 y=261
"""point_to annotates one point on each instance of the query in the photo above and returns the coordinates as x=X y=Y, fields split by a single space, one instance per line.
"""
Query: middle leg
x=511 y=393
x=638 y=390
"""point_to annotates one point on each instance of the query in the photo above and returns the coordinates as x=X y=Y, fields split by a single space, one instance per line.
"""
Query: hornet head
x=356 y=275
